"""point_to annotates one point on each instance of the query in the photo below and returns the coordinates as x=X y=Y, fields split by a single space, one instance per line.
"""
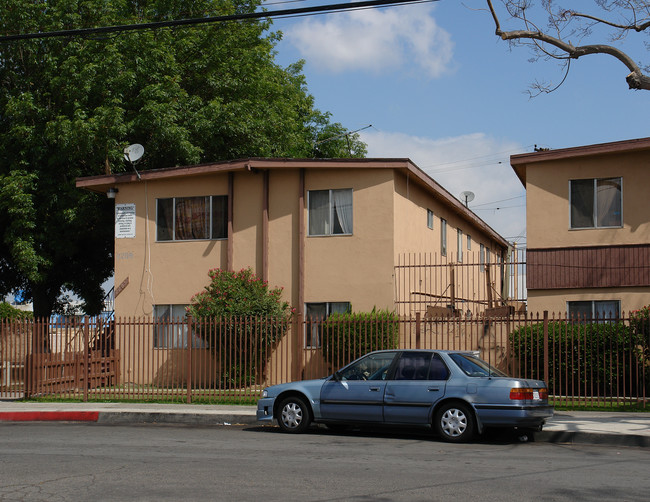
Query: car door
x=419 y=380
x=356 y=392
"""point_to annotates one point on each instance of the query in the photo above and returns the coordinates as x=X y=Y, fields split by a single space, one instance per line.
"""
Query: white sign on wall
x=124 y=221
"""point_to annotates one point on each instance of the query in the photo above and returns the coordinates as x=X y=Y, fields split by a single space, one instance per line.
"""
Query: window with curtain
x=170 y=328
x=596 y=203
x=594 y=309
x=315 y=313
x=192 y=218
x=330 y=212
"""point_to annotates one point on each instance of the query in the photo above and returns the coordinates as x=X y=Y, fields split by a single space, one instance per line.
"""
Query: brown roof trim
x=520 y=161
x=103 y=182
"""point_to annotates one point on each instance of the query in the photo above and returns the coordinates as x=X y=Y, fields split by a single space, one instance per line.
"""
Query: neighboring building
x=588 y=227
x=328 y=231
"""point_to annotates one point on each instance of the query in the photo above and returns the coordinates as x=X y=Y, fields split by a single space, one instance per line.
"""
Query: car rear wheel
x=294 y=415
x=455 y=422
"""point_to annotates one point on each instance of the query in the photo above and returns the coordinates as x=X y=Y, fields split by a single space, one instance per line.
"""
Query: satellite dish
x=133 y=153
x=467 y=196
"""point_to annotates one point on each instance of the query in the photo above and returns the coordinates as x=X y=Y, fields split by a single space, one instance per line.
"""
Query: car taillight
x=525 y=393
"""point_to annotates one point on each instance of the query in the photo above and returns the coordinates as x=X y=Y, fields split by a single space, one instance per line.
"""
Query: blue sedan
x=455 y=393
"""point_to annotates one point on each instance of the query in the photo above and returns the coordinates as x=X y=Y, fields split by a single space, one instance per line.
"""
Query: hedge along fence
x=597 y=359
x=346 y=337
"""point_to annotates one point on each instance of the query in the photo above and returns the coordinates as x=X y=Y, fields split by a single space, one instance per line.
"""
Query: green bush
x=9 y=313
x=584 y=358
x=238 y=313
x=346 y=337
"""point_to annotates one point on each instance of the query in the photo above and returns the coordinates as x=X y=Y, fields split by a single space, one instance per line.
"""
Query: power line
x=318 y=9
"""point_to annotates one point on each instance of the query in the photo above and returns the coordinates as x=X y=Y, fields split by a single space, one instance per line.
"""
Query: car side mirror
x=336 y=376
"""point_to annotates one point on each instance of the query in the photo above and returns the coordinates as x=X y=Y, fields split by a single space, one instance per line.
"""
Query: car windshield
x=475 y=367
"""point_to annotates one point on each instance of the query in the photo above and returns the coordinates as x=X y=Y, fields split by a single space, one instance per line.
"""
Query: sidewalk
x=621 y=429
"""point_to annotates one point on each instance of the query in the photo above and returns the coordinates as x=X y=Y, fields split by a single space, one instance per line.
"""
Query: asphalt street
x=90 y=461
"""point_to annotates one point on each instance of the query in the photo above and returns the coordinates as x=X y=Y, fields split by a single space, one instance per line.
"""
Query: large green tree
x=69 y=106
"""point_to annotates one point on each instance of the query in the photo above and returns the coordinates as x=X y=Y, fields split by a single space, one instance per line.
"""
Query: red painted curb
x=49 y=416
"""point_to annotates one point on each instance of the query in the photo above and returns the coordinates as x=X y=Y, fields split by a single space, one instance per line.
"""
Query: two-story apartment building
x=588 y=227
x=327 y=231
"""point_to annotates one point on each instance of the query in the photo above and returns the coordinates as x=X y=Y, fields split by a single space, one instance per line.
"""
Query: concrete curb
x=596 y=431
x=126 y=418
x=573 y=437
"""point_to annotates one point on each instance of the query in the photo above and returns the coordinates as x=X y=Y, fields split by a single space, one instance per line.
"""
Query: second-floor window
x=192 y=218
x=596 y=203
x=430 y=219
x=460 y=245
x=330 y=212
x=443 y=237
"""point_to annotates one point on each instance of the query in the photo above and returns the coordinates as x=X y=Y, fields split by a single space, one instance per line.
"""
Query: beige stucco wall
x=412 y=235
x=356 y=268
x=555 y=301
x=163 y=272
x=547 y=199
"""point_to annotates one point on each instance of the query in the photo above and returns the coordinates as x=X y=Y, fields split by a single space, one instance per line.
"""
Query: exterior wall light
x=111 y=192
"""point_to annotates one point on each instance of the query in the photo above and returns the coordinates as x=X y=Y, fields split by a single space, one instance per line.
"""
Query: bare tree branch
x=636 y=79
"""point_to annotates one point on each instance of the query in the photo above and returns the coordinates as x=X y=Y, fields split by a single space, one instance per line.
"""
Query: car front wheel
x=294 y=415
x=455 y=422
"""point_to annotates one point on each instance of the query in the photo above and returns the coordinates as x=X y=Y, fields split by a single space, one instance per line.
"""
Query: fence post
x=86 y=359
x=546 y=346
x=417 y=330
x=189 y=359
x=296 y=347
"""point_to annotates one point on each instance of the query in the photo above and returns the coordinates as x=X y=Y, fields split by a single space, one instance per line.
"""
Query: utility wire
x=216 y=19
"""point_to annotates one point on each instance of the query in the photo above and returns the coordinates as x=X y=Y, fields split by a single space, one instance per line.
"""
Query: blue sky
x=440 y=88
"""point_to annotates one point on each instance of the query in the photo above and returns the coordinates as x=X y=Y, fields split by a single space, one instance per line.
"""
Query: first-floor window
x=315 y=313
x=594 y=309
x=192 y=218
x=170 y=328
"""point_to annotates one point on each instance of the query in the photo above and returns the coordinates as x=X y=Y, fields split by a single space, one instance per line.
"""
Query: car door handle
x=433 y=389
x=374 y=389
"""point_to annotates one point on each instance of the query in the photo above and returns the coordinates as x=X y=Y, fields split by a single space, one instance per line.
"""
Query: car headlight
x=265 y=393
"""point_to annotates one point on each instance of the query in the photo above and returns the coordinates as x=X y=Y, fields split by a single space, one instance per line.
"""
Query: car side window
x=371 y=367
x=438 y=369
x=413 y=366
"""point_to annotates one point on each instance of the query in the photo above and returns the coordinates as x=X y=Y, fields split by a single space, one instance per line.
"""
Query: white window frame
x=430 y=219
x=604 y=318
x=173 y=230
x=469 y=242
x=594 y=213
x=331 y=213
x=460 y=244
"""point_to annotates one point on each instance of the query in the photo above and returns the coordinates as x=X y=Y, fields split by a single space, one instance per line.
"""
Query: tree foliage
x=562 y=33
x=235 y=314
x=69 y=106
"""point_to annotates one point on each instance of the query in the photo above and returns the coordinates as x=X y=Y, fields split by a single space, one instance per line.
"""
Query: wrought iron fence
x=586 y=362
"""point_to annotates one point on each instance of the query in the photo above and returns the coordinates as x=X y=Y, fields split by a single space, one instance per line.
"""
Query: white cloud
x=474 y=162
x=375 y=40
